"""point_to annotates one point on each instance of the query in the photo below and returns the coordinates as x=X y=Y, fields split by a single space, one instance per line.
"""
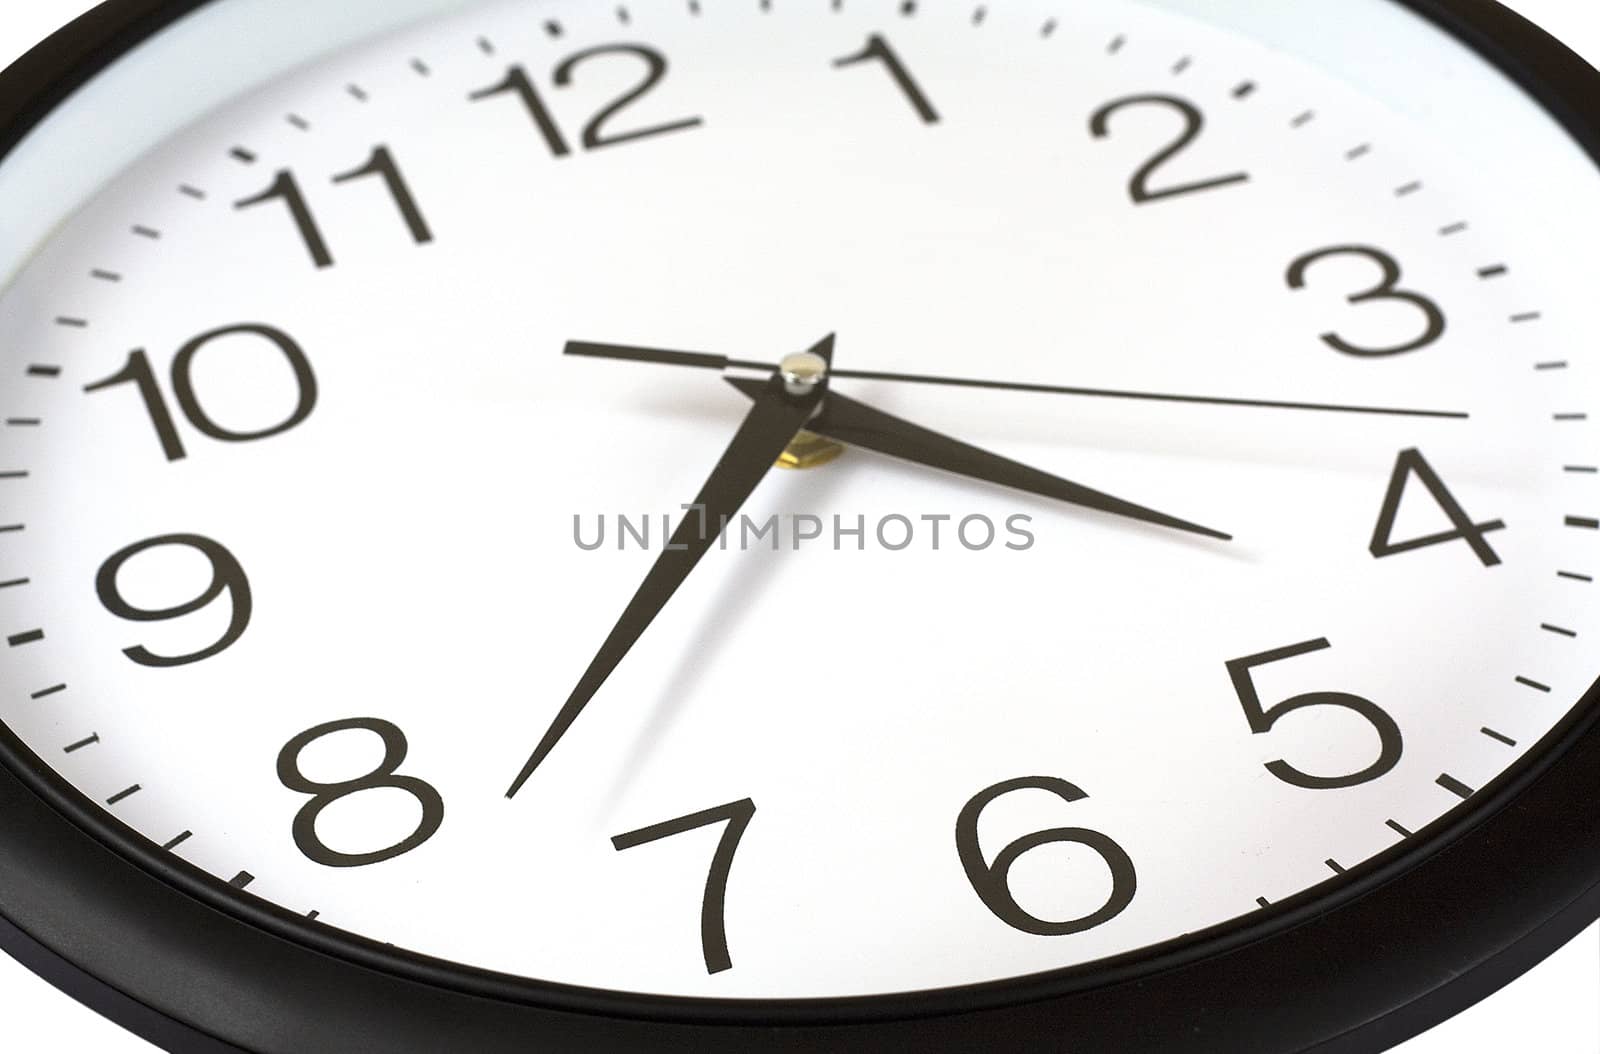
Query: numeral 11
x=286 y=188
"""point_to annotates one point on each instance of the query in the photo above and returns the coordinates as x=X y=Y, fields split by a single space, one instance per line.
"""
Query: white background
x=1562 y=996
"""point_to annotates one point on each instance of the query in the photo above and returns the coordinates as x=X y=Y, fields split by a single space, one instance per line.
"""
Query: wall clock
x=729 y=525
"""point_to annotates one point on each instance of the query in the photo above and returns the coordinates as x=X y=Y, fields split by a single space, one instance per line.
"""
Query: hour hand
x=854 y=423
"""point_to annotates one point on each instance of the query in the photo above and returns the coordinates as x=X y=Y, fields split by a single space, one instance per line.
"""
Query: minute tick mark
x=123 y=795
x=1498 y=737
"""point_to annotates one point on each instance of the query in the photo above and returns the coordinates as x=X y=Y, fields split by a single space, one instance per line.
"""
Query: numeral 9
x=227 y=576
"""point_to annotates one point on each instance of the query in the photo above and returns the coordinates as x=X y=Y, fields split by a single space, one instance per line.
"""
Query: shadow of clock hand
x=853 y=423
x=775 y=419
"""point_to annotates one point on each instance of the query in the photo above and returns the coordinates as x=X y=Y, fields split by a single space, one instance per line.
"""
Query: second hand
x=700 y=360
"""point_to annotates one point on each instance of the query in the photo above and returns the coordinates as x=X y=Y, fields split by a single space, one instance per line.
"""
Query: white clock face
x=301 y=491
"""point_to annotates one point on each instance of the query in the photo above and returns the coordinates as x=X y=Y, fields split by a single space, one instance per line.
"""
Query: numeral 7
x=713 y=924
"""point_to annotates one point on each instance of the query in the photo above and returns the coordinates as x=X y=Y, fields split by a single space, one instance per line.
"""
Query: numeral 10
x=138 y=372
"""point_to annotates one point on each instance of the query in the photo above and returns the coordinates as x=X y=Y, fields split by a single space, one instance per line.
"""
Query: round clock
x=778 y=525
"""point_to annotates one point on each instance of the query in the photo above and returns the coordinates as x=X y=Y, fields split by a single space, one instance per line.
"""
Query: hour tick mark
x=105 y=276
x=553 y=28
x=1528 y=316
x=1304 y=119
x=73 y=323
x=1572 y=417
x=1117 y=44
x=486 y=45
x=184 y=837
x=1558 y=630
x=147 y=232
x=1583 y=523
x=1455 y=786
x=1574 y=576
x=1550 y=365
x=46 y=693
x=80 y=744
x=1454 y=228
x=241 y=880
x=14 y=475
x=1495 y=271
x=191 y=192
x=299 y=122
x=694 y=8
x=1398 y=829
x=1408 y=189
x=23 y=422
x=32 y=636
x=1334 y=866
x=1357 y=153
x=1264 y=902
x=979 y=15
x=1245 y=90
x=1182 y=65
x=421 y=68
x=1497 y=737
x=124 y=795
x=1586 y=470
x=1528 y=682
x=242 y=155
x=44 y=371
x=1049 y=28
x=357 y=92
x=15 y=582
x=623 y=16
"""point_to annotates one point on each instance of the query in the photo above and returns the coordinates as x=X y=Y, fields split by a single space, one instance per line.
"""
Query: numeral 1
x=878 y=49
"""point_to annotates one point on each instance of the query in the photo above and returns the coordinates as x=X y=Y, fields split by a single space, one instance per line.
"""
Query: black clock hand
x=855 y=423
x=779 y=414
x=718 y=362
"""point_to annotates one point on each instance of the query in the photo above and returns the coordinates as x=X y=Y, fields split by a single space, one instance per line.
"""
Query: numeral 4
x=1412 y=463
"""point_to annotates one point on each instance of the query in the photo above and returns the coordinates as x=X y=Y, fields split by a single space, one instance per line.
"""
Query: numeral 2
x=713 y=924
x=1194 y=122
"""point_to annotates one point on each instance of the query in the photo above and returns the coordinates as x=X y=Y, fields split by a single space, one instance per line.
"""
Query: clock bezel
x=1345 y=967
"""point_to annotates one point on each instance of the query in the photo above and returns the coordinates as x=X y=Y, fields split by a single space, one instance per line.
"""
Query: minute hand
x=854 y=423
x=773 y=422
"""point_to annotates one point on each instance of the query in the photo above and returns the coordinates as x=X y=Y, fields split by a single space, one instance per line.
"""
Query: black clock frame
x=1400 y=944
